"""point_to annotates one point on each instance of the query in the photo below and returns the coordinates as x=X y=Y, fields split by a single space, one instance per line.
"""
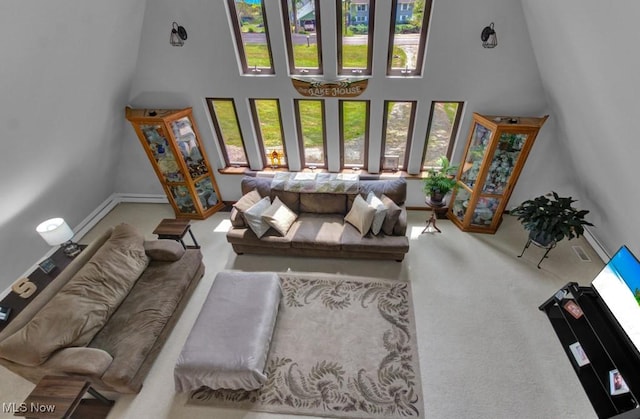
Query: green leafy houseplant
x=440 y=180
x=550 y=218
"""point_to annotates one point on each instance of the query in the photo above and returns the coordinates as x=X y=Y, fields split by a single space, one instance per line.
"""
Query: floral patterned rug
x=343 y=347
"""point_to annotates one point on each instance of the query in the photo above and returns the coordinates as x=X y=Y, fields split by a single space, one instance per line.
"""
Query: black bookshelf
x=605 y=345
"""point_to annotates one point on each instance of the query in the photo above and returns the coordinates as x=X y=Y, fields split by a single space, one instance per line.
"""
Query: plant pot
x=541 y=238
x=436 y=199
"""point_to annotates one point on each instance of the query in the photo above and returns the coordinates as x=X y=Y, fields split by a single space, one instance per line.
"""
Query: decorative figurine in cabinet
x=496 y=151
x=171 y=140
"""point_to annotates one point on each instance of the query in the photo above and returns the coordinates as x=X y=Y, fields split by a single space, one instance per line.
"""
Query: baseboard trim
x=596 y=245
x=110 y=203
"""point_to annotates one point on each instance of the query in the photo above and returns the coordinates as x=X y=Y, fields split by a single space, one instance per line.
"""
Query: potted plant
x=440 y=181
x=550 y=218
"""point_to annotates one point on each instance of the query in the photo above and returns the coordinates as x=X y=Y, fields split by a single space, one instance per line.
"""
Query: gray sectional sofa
x=320 y=229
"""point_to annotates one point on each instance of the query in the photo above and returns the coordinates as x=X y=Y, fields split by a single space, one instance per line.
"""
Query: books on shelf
x=578 y=354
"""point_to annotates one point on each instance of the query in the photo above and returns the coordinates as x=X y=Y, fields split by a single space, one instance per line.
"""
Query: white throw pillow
x=381 y=212
x=253 y=216
x=279 y=216
x=361 y=215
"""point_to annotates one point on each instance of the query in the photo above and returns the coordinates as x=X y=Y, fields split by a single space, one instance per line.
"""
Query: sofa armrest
x=400 y=229
x=91 y=362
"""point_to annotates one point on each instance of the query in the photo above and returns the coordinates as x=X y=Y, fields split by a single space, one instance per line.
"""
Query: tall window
x=266 y=119
x=443 y=128
x=407 y=38
x=304 y=46
x=397 y=129
x=311 y=132
x=354 y=133
x=252 y=36
x=355 y=36
x=225 y=122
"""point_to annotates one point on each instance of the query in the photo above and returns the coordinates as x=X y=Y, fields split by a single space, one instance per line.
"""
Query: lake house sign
x=339 y=88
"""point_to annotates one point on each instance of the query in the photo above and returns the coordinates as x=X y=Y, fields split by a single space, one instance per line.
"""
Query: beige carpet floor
x=485 y=350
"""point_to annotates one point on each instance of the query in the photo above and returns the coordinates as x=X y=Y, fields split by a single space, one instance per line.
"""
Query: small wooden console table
x=56 y=397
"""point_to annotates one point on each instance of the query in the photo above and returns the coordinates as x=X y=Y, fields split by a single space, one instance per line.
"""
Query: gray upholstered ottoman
x=229 y=342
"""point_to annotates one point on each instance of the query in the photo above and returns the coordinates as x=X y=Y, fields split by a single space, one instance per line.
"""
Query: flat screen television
x=618 y=285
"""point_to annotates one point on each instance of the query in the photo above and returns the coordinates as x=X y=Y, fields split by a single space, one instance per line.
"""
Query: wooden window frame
x=412 y=120
x=454 y=130
x=339 y=28
x=303 y=160
x=240 y=45
x=216 y=127
x=365 y=163
x=256 y=123
x=289 y=41
x=421 y=45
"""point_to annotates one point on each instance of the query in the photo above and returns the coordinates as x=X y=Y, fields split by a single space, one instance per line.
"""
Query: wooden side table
x=176 y=229
x=41 y=280
x=437 y=212
x=56 y=397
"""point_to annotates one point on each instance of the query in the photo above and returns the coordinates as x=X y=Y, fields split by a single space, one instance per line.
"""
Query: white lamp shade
x=55 y=231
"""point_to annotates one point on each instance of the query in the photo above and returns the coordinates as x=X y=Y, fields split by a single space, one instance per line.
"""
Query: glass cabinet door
x=475 y=155
x=504 y=160
x=189 y=150
x=206 y=193
x=159 y=147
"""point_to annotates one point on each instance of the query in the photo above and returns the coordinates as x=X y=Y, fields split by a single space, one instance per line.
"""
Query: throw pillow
x=243 y=204
x=392 y=215
x=279 y=216
x=164 y=250
x=361 y=215
x=381 y=212
x=253 y=216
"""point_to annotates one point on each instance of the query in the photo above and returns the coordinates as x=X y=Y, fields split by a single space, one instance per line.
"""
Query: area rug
x=343 y=347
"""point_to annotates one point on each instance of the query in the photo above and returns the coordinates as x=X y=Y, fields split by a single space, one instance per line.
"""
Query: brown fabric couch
x=107 y=315
x=320 y=229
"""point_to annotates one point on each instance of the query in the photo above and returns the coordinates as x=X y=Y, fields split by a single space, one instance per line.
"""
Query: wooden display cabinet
x=496 y=151
x=171 y=140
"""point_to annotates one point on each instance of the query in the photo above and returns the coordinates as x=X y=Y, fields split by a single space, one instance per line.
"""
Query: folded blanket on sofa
x=347 y=183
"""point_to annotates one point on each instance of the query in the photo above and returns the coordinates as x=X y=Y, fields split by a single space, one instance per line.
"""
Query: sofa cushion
x=352 y=240
x=396 y=189
x=317 y=231
x=82 y=307
x=381 y=212
x=323 y=203
x=253 y=216
x=279 y=216
x=237 y=220
x=271 y=238
x=361 y=215
x=391 y=216
x=164 y=250
x=134 y=329
x=262 y=185
x=290 y=199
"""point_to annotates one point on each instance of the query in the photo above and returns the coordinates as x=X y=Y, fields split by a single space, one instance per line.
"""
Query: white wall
x=65 y=75
x=503 y=80
x=587 y=55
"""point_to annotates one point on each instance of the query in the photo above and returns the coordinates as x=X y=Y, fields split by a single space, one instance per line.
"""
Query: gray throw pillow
x=392 y=215
x=164 y=250
x=254 y=219
x=381 y=212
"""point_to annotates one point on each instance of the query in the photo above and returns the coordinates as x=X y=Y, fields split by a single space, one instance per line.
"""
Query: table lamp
x=56 y=231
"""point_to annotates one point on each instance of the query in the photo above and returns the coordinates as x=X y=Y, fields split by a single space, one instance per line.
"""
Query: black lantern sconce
x=488 y=36
x=178 y=35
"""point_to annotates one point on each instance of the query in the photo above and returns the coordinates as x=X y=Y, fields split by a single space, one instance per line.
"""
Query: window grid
x=397 y=143
x=440 y=121
x=349 y=62
x=315 y=63
x=227 y=128
x=306 y=130
x=365 y=134
x=250 y=57
x=270 y=108
x=396 y=55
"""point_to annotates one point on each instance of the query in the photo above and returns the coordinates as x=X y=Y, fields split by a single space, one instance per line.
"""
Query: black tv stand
x=605 y=345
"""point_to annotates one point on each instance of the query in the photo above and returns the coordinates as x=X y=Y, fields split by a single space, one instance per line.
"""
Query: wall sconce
x=178 y=35
x=488 y=36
